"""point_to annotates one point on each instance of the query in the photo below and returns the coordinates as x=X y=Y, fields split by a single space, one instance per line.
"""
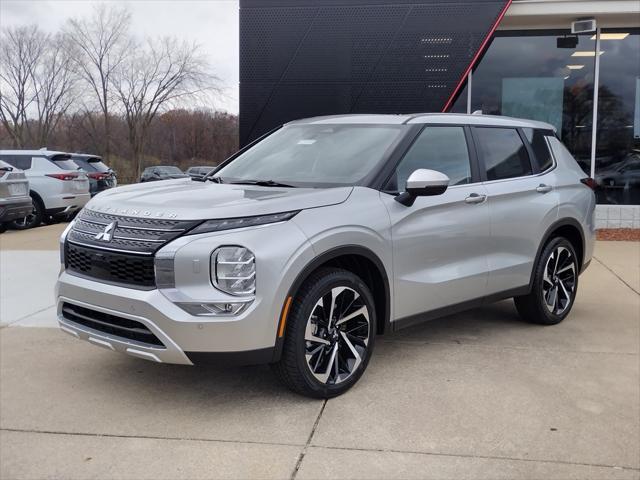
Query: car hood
x=190 y=200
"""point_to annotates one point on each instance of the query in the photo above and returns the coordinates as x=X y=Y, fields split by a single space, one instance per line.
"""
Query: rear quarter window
x=540 y=147
x=65 y=164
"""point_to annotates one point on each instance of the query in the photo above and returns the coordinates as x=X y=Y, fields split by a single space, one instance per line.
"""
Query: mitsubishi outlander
x=305 y=245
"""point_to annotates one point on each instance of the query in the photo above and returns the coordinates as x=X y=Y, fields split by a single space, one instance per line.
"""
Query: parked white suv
x=304 y=246
x=58 y=188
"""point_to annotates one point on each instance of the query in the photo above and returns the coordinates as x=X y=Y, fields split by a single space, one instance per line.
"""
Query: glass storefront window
x=618 y=133
x=529 y=74
x=526 y=75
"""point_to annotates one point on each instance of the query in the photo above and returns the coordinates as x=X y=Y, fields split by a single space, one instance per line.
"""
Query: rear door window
x=503 y=152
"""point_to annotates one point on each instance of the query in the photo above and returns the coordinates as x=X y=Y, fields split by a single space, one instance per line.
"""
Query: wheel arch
x=570 y=229
x=37 y=197
x=362 y=262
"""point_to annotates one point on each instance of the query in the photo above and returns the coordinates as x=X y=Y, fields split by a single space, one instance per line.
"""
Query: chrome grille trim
x=140 y=236
x=104 y=224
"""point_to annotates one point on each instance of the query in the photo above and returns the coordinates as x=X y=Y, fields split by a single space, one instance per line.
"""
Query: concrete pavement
x=475 y=395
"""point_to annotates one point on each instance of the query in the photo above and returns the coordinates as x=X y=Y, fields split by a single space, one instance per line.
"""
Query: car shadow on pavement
x=227 y=383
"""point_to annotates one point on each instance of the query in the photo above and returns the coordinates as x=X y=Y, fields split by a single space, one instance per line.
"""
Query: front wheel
x=555 y=284
x=330 y=334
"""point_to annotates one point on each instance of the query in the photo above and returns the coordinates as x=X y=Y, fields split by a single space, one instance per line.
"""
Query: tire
x=32 y=220
x=310 y=364
x=3 y=227
x=556 y=271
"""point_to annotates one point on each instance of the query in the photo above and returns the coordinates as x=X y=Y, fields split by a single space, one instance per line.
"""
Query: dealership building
x=573 y=64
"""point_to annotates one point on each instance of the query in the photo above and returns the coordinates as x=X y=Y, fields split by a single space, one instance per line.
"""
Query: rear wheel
x=3 y=227
x=555 y=285
x=330 y=334
x=33 y=219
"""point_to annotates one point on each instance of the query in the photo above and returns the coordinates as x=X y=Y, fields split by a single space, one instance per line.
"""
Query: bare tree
x=21 y=49
x=100 y=44
x=163 y=74
x=54 y=81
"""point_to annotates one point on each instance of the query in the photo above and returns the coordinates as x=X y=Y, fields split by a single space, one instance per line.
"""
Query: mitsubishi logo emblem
x=107 y=233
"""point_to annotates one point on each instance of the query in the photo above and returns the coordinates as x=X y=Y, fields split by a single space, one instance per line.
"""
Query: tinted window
x=23 y=162
x=540 y=148
x=504 y=154
x=65 y=164
x=437 y=148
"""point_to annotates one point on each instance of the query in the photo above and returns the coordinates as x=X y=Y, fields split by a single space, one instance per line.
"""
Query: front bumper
x=249 y=337
x=13 y=209
x=185 y=339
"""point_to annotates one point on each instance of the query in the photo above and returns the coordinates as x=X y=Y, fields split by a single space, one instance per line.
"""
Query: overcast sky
x=211 y=23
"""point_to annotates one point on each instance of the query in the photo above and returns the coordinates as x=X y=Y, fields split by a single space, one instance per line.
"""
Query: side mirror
x=423 y=183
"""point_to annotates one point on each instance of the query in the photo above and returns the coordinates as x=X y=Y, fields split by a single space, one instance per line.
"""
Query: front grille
x=111 y=267
x=111 y=324
x=119 y=249
x=126 y=234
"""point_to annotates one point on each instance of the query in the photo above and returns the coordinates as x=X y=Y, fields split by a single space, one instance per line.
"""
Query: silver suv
x=306 y=244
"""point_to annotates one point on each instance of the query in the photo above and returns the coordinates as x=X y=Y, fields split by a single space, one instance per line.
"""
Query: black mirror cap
x=408 y=198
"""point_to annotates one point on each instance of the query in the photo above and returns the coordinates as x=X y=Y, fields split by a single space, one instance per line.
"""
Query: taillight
x=589 y=182
x=63 y=176
x=97 y=175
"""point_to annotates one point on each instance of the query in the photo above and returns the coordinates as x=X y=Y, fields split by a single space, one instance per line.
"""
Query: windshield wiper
x=262 y=183
x=207 y=178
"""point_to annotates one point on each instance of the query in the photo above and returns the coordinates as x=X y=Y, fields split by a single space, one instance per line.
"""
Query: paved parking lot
x=475 y=395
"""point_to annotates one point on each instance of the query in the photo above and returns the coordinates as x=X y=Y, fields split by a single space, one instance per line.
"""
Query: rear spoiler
x=59 y=157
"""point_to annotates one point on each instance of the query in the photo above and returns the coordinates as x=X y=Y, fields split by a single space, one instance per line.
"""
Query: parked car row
x=168 y=172
x=47 y=186
x=43 y=185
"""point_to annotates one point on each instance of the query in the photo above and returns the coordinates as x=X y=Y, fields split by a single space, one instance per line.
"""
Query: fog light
x=217 y=309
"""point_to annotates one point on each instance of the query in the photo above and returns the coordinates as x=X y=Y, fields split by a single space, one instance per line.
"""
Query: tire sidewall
x=303 y=308
x=551 y=318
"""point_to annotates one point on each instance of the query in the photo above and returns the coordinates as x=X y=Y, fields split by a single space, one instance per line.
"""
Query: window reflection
x=618 y=135
x=526 y=74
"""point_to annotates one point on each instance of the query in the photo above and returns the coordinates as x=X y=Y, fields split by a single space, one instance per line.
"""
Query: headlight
x=233 y=270
x=231 y=223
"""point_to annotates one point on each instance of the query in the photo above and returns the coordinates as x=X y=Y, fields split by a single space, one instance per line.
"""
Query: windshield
x=169 y=170
x=314 y=155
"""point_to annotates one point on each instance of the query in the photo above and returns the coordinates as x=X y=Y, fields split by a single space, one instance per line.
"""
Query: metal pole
x=469 y=78
x=596 y=87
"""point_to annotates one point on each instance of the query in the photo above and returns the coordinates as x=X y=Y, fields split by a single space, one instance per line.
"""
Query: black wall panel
x=301 y=58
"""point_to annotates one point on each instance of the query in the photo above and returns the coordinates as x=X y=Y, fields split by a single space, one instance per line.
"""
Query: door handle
x=475 y=198
x=542 y=188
